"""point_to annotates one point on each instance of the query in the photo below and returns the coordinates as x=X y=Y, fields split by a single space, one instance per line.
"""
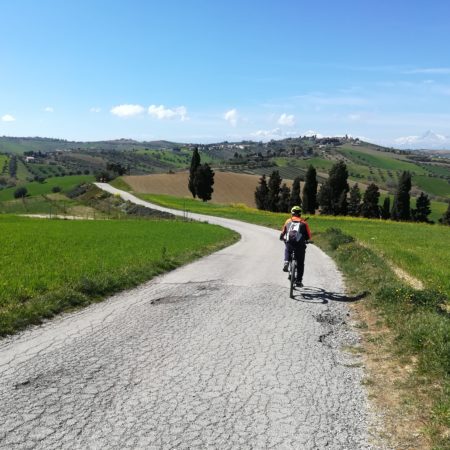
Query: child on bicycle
x=295 y=234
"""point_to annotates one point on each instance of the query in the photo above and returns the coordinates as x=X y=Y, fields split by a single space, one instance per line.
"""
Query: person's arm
x=308 y=231
x=284 y=230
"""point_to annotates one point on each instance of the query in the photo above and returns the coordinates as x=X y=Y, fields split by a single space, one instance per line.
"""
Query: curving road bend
x=212 y=355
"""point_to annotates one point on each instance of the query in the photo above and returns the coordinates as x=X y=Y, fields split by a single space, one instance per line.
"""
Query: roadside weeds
x=406 y=345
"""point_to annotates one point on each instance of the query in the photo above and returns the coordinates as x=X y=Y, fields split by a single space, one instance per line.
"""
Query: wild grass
x=48 y=266
x=419 y=321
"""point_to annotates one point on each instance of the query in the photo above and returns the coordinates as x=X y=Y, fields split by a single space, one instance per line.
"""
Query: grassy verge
x=49 y=266
x=407 y=339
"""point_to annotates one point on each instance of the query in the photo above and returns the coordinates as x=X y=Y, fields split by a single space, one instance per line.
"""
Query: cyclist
x=295 y=234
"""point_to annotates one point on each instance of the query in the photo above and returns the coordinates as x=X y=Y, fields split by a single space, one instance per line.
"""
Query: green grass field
x=4 y=164
x=422 y=250
x=35 y=188
x=11 y=147
x=50 y=265
x=22 y=171
x=322 y=165
x=434 y=186
x=380 y=161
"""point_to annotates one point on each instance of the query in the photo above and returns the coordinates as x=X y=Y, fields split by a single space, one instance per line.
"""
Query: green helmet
x=296 y=210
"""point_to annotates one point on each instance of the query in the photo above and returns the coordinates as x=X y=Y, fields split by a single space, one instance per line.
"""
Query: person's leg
x=300 y=257
x=287 y=255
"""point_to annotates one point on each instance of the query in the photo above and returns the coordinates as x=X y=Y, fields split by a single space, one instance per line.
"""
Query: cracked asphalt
x=212 y=355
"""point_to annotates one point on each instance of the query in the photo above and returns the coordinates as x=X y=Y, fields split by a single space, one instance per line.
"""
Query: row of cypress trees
x=336 y=198
x=273 y=195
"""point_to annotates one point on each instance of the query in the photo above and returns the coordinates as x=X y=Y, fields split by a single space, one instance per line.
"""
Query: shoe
x=299 y=284
x=286 y=266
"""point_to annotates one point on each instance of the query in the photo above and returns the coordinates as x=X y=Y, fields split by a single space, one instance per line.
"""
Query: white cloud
x=95 y=110
x=49 y=109
x=310 y=133
x=127 y=110
x=285 y=119
x=275 y=133
x=8 y=118
x=160 y=112
x=354 y=117
x=231 y=117
x=267 y=133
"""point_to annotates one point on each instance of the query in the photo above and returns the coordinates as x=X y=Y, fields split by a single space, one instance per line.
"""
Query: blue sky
x=203 y=71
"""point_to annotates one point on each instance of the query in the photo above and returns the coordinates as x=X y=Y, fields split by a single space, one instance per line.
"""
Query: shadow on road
x=318 y=295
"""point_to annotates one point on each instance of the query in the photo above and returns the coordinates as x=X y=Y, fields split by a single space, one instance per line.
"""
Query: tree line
x=335 y=197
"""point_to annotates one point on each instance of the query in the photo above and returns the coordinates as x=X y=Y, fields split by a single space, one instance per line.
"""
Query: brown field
x=228 y=187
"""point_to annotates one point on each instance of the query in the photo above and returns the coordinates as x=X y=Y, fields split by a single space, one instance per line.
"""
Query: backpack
x=294 y=233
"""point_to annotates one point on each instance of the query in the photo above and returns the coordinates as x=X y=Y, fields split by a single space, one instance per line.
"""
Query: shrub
x=56 y=189
x=337 y=238
x=20 y=192
x=78 y=190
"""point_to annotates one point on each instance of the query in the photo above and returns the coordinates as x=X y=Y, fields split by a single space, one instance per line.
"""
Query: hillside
x=367 y=163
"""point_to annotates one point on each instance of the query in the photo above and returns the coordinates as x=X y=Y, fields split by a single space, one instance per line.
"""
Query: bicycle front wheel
x=293 y=274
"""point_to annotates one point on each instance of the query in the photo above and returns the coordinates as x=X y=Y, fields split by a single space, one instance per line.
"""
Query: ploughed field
x=228 y=187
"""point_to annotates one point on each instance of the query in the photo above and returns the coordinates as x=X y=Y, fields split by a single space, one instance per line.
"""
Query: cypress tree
x=342 y=205
x=195 y=163
x=324 y=197
x=337 y=179
x=401 y=209
x=295 y=199
x=262 y=194
x=285 y=196
x=203 y=182
x=386 y=208
x=423 y=210
x=274 y=186
x=369 y=207
x=310 y=191
x=354 y=204
x=445 y=219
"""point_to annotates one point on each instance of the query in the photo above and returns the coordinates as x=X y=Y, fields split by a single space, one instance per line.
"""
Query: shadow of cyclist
x=319 y=295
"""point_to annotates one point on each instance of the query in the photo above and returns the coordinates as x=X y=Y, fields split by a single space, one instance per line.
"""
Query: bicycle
x=292 y=274
x=292 y=270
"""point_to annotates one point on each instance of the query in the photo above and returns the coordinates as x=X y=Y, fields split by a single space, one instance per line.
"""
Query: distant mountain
x=427 y=141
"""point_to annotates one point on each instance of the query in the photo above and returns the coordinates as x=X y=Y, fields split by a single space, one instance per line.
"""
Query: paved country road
x=212 y=355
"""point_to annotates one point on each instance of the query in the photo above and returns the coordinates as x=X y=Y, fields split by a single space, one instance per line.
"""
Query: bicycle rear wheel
x=293 y=274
